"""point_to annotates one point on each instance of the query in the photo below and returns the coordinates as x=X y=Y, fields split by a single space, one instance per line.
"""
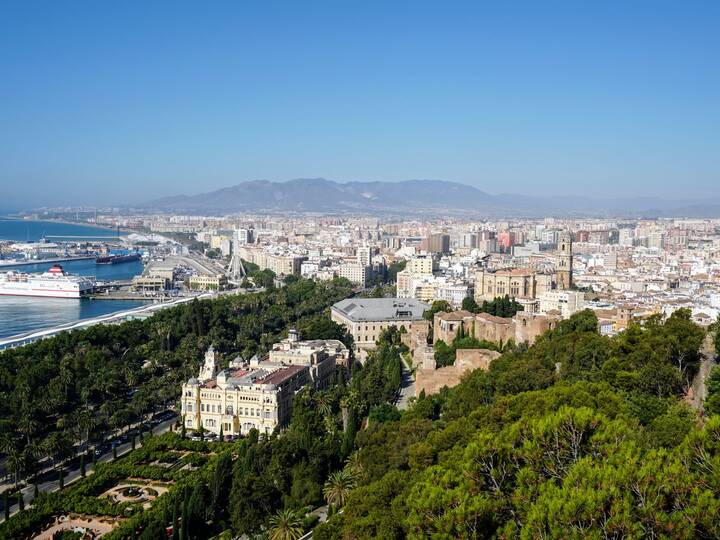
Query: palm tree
x=66 y=374
x=7 y=441
x=323 y=403
x=27 y=426
x=33 y=452
x=163 y=330
x=338 y=487
x=130 y=375
x=15 y=463
x=85 y=422
x=285 y=525
x=355 y=468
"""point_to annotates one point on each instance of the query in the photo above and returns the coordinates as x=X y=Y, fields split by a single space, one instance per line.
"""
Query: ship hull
x=117 y=259
x=43 y=294
x=54 y=283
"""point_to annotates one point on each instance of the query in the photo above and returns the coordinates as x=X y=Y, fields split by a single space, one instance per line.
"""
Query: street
x=407 y=388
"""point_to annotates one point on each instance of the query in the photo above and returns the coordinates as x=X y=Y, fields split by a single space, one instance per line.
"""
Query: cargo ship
x=117 y=259
x=55 y=283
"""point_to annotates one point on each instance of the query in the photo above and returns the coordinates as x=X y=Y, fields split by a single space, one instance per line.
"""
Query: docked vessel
x=55 y=283
x=116 y=259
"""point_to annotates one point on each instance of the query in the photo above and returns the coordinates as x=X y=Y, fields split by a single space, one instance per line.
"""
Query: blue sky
x=109 y=102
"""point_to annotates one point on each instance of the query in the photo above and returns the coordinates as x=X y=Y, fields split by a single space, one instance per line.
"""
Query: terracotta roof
x=281 y=375
x=515 y=272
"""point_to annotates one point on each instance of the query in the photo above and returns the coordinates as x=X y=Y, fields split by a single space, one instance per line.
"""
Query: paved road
x=407 y=388
x=699 y=388
x=51 y=481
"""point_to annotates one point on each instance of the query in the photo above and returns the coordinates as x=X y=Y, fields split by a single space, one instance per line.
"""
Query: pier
x=54 y=260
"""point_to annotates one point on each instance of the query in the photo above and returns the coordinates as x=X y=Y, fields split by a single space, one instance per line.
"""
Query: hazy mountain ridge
x=411 y=196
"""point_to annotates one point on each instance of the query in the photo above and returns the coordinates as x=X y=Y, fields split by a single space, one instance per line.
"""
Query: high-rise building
x=363 y=256
x=564 y=261
x=244 y=236
x=469 y=240
x=436 y=243
x=421 y=264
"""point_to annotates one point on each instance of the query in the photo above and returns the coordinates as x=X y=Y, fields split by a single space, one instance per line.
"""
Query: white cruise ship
x=54 y=283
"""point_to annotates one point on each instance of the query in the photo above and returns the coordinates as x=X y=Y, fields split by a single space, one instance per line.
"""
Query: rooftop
x=381 y=309
x=281 y=375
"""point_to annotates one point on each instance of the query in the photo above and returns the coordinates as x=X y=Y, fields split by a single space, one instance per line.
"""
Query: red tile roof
x=281 y=375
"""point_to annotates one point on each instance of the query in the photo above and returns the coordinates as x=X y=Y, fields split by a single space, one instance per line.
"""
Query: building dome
x=193 y=382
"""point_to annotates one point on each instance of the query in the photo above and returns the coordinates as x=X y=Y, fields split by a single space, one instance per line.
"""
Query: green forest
x=59 y=395
x=577 y=436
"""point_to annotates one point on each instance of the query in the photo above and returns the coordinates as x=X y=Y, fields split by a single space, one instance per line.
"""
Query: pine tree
x=21 y=501
x=182 y=429
x=94 y=459
x=36 y=491
x=62 y=478
x=82 y=465
x=132 y=442
x=114 y=452
x=6 y=505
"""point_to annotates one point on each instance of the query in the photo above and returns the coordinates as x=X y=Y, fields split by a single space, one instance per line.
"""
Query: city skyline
x=133 y=102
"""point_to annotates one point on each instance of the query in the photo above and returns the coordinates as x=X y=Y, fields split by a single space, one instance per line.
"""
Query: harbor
x=79 y=279
x=26 y=249
x=14 y=264
x=19 y=340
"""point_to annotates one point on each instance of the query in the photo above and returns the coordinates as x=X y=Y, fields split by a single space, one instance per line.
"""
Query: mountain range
x=424 y=197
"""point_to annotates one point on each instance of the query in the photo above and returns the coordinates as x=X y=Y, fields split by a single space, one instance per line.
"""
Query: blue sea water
x=19 y=315
x=22 y=230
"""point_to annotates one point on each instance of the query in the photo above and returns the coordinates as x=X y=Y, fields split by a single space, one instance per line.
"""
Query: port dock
x=54 y=260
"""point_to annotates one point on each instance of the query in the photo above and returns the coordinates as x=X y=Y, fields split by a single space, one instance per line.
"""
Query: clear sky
x=110 y=102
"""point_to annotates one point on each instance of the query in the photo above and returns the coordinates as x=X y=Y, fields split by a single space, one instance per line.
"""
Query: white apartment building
x=454 y=293
x=421 y=264
x=566 y=302
x=283 y=264
x=363 y=256
x=355 y=273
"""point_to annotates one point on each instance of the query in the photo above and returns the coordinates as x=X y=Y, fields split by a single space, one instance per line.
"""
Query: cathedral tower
x=564 y=261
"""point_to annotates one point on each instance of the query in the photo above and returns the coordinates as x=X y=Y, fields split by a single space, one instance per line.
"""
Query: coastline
x=68 y=222
x=25 y=338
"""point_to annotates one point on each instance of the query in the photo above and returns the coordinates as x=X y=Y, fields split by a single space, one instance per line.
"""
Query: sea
x=19 y=315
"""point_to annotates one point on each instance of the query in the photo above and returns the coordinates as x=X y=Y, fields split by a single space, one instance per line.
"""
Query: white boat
x=55 y=283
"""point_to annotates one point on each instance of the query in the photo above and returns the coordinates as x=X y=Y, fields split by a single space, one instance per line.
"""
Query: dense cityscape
x=359 y=270
x=323 y=335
